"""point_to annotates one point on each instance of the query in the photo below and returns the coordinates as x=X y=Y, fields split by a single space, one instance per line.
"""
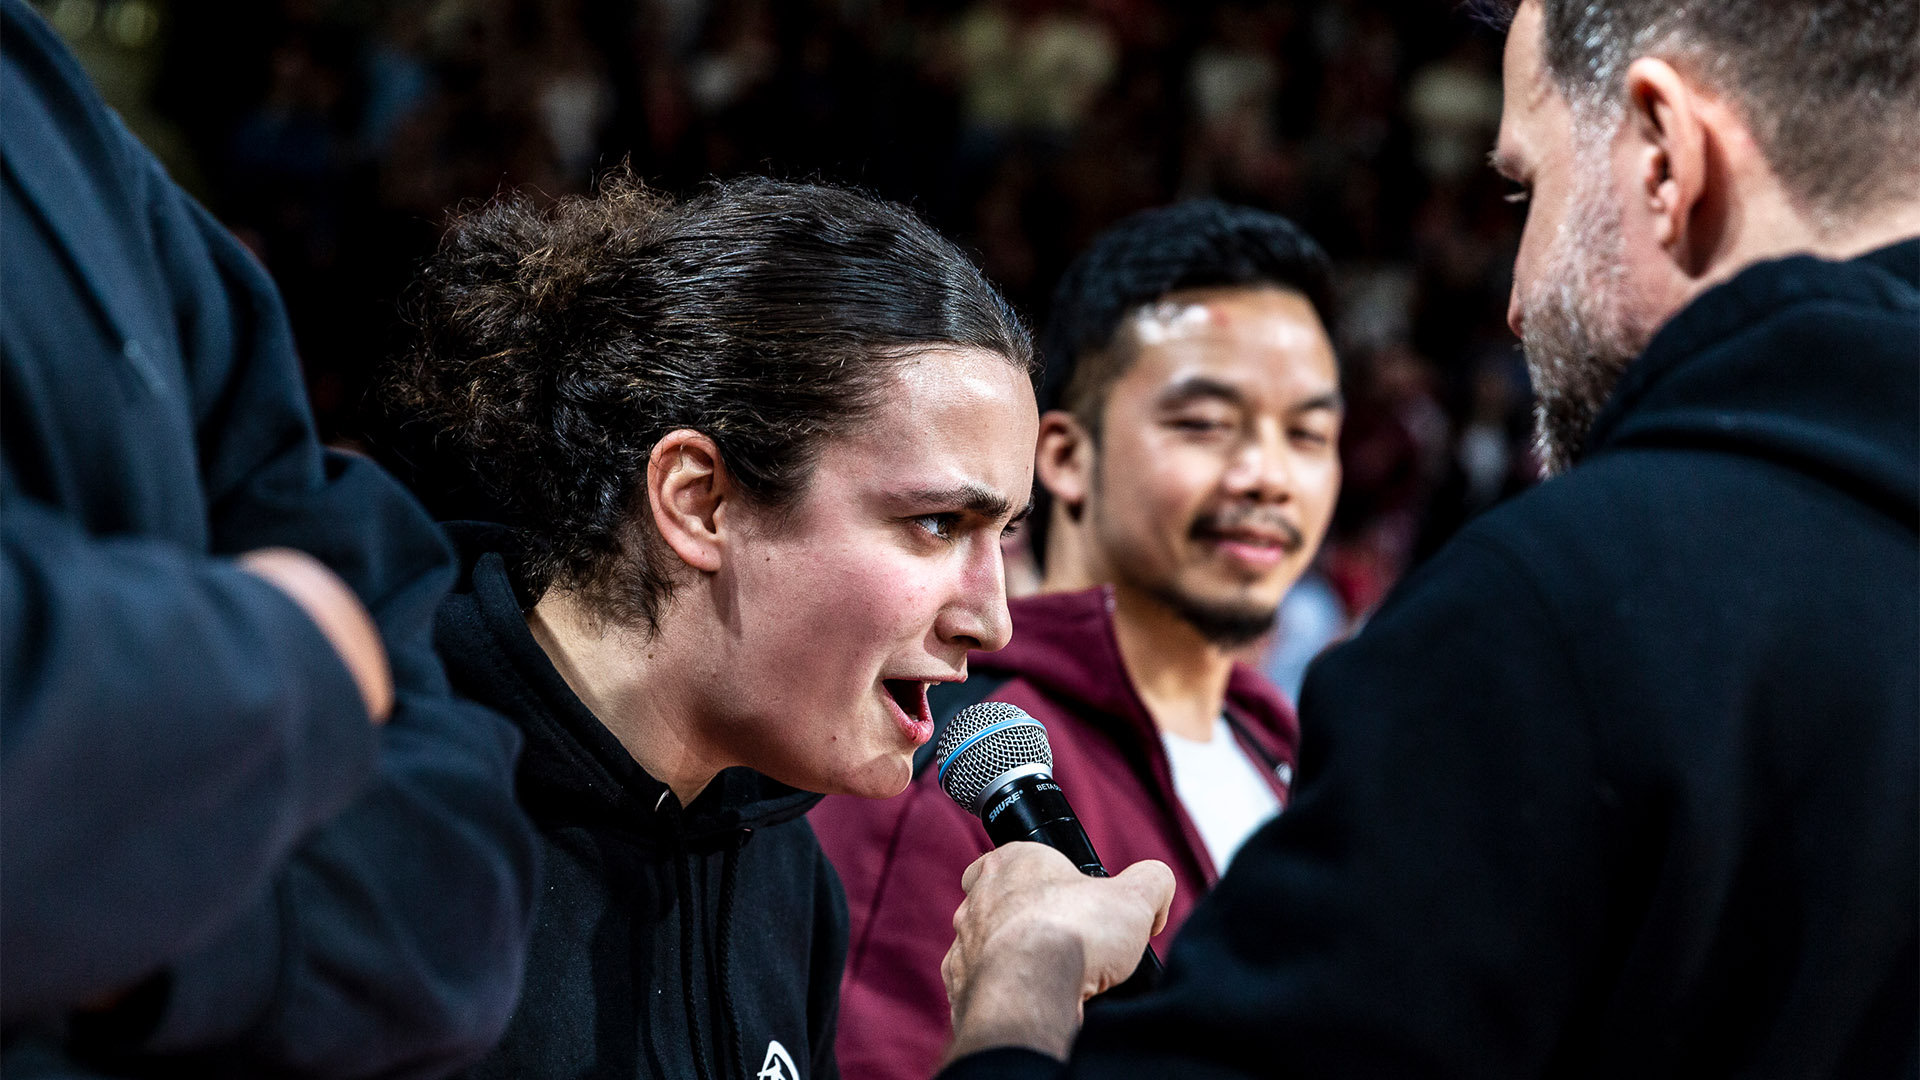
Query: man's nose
x=1262 y=467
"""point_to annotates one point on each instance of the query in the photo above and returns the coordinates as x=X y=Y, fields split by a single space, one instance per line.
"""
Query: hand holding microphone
x=1037 y=934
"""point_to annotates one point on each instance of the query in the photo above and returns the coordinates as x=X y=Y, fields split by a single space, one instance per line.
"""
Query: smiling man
x=1623 y=781
x=1190 y=467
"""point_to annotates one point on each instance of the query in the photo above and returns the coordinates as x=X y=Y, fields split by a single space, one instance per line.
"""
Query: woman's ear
x=1064 y=459
x=688 y=490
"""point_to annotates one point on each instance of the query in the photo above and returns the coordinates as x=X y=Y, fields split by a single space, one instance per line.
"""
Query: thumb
x=1152 y=882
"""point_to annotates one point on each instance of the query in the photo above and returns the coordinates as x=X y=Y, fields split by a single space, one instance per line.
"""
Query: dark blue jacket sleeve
x=172 y=727
x=394 y=939
x=202 y=729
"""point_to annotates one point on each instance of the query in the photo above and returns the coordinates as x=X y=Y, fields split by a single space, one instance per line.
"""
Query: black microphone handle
x=1032 y=807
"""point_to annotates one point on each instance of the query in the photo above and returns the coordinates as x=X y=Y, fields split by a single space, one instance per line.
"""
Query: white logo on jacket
x=779 y=1064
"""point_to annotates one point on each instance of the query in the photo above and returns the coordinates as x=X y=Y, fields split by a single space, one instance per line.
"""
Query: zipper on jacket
x=1276 y=767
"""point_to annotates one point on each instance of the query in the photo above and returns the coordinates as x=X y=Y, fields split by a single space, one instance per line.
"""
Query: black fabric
x=197 y=820
x=668 y=941
x=1622 y=782
x=1002 y=1063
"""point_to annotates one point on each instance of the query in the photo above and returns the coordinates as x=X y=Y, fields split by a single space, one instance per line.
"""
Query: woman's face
x=878 y=581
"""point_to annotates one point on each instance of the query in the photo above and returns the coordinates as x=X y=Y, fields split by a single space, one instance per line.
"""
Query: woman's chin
x=881 y=780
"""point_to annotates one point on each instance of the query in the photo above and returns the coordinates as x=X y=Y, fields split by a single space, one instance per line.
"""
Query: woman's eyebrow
x=974 y=498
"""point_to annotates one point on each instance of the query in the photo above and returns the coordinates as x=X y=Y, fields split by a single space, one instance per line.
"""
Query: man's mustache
x=1265 y=523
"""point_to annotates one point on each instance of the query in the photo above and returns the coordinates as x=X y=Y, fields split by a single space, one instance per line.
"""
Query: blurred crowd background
x=334 y=135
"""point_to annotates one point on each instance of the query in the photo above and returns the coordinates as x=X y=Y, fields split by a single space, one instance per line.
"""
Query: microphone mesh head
x=979 y=760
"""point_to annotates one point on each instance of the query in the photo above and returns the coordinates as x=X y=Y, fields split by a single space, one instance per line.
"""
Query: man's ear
x=1064 y=460
x=1672 y=157
x=689 y=490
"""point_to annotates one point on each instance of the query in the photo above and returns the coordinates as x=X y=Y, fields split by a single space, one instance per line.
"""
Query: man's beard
x=1578 y=335
x=1228 y=624
x=1222 y=623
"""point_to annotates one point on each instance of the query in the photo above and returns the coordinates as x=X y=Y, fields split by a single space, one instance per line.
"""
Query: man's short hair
x=1191 y=245
x=1829 y=88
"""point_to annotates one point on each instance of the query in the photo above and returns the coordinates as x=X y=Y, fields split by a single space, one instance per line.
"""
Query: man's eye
x=940 y=525
x=1198 y=425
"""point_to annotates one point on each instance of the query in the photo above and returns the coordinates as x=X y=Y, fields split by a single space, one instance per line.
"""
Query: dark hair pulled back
x=555 y=345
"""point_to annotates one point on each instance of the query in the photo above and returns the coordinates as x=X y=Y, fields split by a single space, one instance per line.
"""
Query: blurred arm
x=170 y=726
x=394 y=939
x=193 y=792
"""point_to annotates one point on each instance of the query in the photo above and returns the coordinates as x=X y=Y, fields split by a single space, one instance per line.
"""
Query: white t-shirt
x=1224 y=791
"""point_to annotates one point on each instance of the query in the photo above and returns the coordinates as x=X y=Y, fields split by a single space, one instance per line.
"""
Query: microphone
x=996 y=764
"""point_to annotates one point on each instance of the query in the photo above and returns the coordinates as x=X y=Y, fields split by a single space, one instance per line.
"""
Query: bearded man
x=1623 y=781
x=1189 y=464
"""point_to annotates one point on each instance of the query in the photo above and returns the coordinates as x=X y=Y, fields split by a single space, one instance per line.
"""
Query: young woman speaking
x=745 y=462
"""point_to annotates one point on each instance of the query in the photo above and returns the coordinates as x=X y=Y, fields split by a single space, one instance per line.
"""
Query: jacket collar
x=1065 y=646
x=64 y=177
x=1809 y=363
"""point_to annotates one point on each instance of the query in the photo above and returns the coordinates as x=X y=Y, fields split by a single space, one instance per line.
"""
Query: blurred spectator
x=1030 y=67
x=1312 y=617
x=1454 y=104
x=1234 y=82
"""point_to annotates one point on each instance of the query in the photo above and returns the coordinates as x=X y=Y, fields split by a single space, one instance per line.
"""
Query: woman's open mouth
x=911 y=711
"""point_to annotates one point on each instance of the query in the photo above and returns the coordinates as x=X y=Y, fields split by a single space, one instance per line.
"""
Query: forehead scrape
x=1170 y=320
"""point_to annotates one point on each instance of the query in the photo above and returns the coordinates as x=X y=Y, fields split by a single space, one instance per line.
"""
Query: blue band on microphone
x=981 y=734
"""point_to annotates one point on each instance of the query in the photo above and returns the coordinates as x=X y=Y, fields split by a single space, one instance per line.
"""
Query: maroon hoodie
x=901 y=858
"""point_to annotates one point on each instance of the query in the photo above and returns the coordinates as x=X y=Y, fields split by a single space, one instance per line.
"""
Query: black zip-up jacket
x=703 y=943
x=1623 y=781
x=197 y=819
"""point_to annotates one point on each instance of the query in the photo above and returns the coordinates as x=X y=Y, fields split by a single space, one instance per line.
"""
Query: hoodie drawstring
x=730 y=1048
x=683 y=883
x=728 y=864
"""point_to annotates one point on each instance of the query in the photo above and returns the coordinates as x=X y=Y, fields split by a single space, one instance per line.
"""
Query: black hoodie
x=1623 y=782
x=693 y=943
